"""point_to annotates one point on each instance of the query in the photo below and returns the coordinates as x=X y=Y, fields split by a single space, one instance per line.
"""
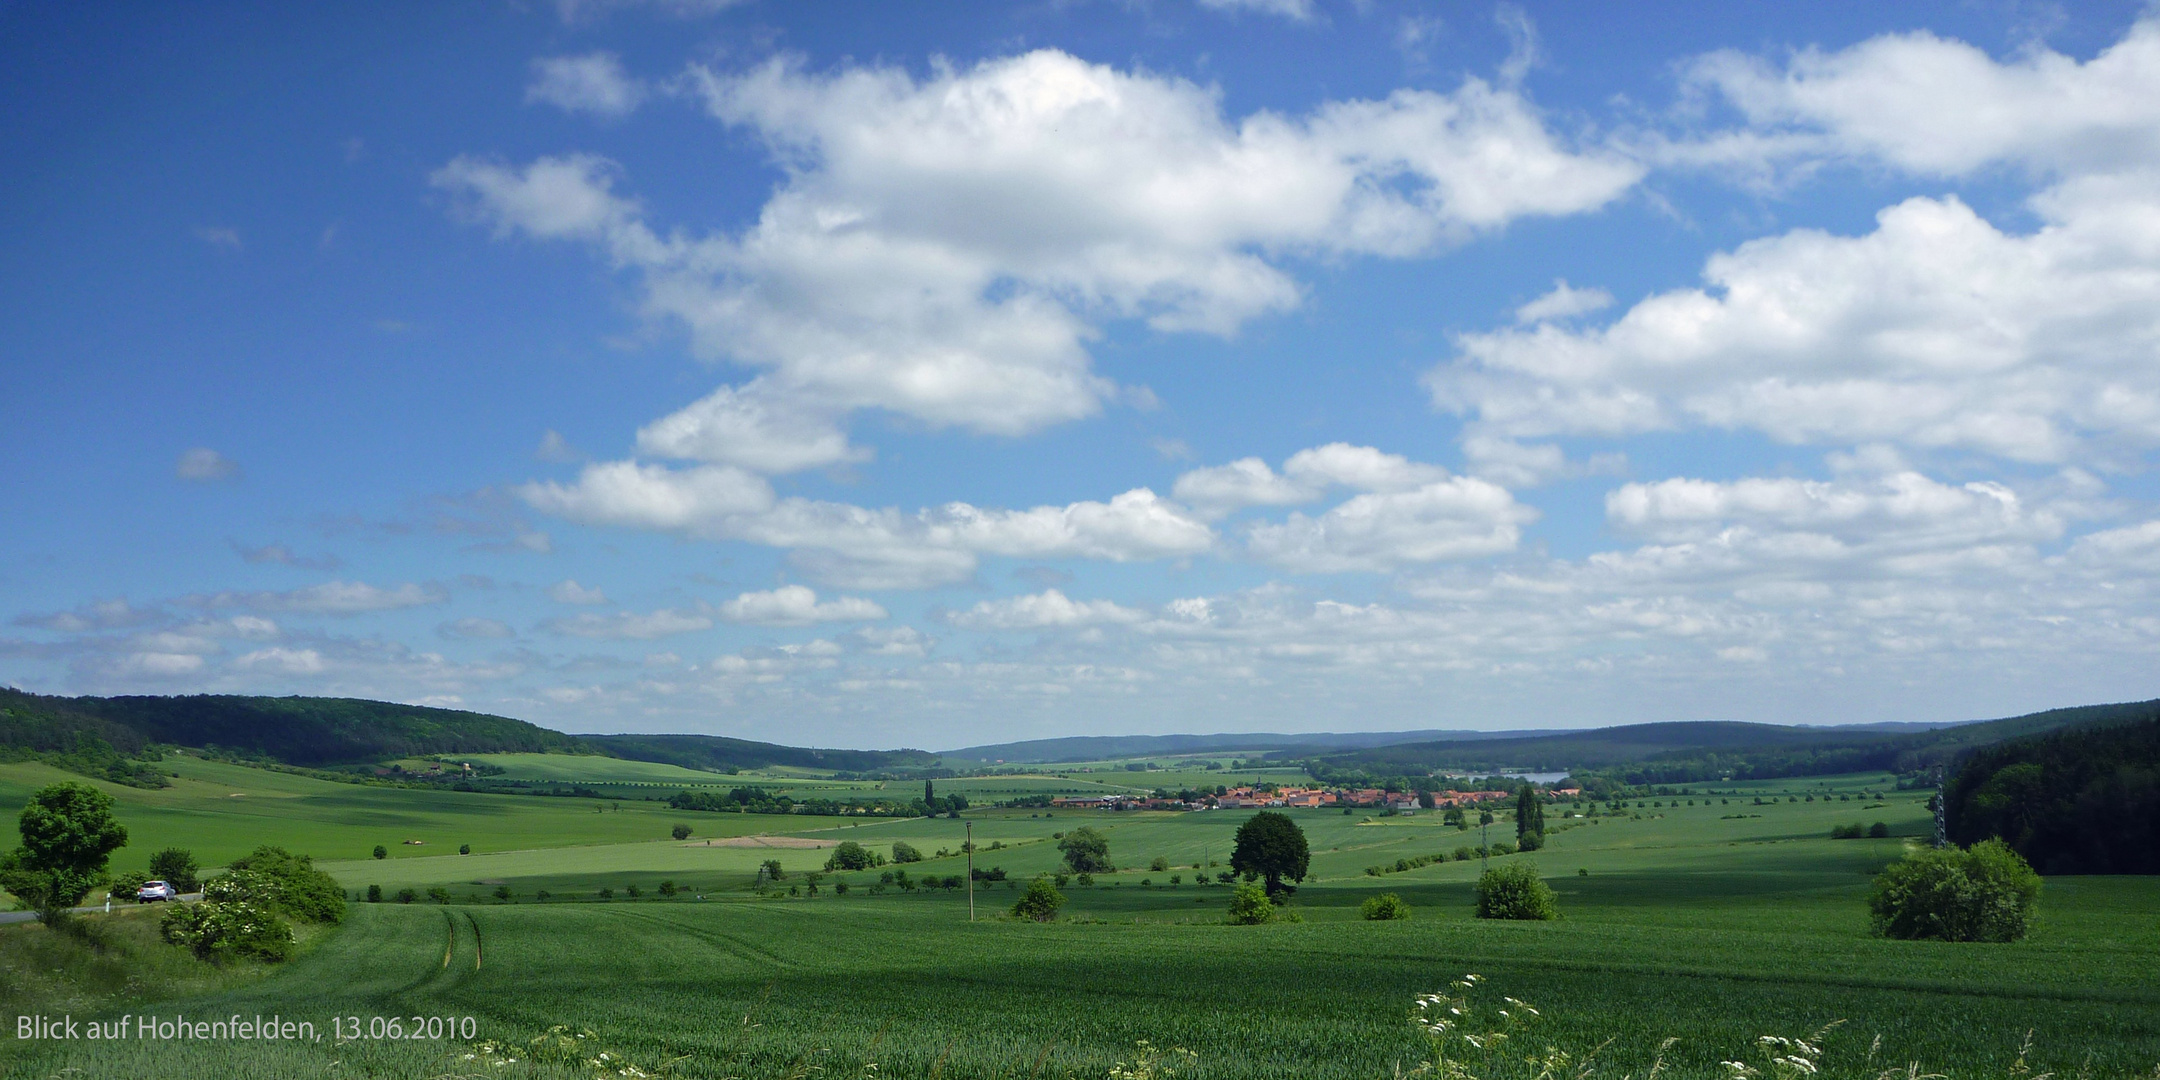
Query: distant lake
x=1533 y=777
x=1538 y=777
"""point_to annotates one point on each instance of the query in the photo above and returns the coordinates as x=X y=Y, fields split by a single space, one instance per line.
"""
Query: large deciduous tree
x=68 y=835
x=1087 y=851
x=1271 y=845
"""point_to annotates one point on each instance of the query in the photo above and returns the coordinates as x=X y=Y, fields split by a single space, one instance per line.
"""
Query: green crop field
x=1711 y=923
x=223 y=811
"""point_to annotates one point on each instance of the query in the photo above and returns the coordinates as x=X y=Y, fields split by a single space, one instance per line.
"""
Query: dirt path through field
x=762 y=842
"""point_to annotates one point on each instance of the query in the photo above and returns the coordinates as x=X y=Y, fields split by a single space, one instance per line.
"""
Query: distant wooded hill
x=719 y=752
x=1714 y=750
x=309 y=731
x=1108 y=747
x=320 y=732
x=101 y=735
x=2084 y=800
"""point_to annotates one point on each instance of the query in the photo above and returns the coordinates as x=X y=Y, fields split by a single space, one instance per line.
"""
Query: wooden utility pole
x=971 y=870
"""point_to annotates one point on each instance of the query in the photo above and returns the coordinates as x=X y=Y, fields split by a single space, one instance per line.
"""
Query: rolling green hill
x=720 y=752
x=316 y=732
x=1712 y=750
x=1109 y=747
x=306 y=731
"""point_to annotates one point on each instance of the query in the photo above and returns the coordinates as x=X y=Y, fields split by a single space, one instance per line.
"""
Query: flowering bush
x=220 y=930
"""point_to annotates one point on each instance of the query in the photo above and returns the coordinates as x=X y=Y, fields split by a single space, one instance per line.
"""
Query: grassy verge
x=104 y=964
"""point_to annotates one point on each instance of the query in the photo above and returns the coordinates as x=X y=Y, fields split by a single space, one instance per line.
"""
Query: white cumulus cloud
x=797 y=605
x=1453 y=519
x=944 y=247
x=1306 y=476
x=1046 y=609
x=595 y=84
x=568 y=591
x=1563 y=302
x=203 y=465
x=329 y=598
x=630 y=625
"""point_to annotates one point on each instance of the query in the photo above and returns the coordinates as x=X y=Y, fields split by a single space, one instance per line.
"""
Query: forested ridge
x=99 y=735
x=1693 y=752
x=721 y=752
x=305 y=731
x=2080 y=801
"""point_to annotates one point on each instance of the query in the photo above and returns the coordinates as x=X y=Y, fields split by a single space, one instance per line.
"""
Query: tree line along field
x=1712 y=923
x=1343 y=846
x=638 y=779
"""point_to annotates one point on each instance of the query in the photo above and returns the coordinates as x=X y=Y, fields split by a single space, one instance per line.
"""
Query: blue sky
x=860 y=375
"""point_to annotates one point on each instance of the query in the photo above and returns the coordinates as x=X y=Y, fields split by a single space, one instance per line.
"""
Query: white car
x=156 y=890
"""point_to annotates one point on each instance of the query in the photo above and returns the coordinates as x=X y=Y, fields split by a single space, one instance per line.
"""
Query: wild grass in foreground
x=754 y=990
x=1466 y=1037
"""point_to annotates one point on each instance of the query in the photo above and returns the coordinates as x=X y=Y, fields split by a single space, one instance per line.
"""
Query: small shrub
x=1085 y=881
x=680 y=832
x=849 y=855
x=407 y=896
x=1879 y=830
x=667 y=888
x=125 y=886
x=1983 y=893
x=1249 y=906
x=904 y=852
x=1847 y=832
x=439 y=894
x=542 y=895
x=1513 y=891
x=606 y=893
x=464 y=849
x=630 y=890
x=1041 y=902
x=176 y=866
x=1384 y=907
x=1464 y=854
x=1159 y=865
x=381 y=852
x=840 y=888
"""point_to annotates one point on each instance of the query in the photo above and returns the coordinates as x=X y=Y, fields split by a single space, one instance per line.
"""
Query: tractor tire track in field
x=736 y=946
x=425 y=976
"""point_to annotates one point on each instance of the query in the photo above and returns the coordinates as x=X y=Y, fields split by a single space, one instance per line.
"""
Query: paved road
x=7 y=917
